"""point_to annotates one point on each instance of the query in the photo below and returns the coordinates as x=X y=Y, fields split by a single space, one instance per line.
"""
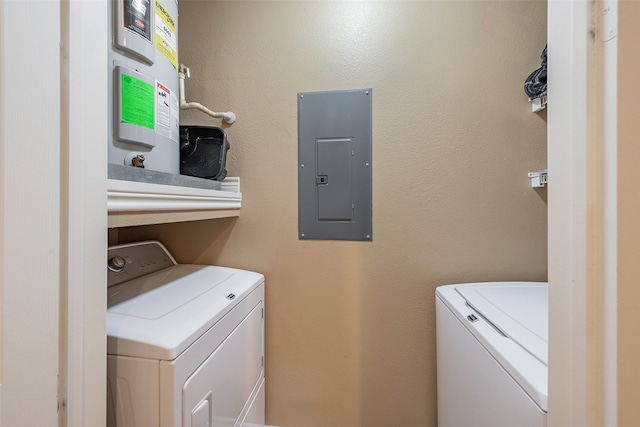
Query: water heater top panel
x=133 y=28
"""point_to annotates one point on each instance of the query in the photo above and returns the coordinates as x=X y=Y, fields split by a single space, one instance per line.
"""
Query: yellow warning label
x=165 y=38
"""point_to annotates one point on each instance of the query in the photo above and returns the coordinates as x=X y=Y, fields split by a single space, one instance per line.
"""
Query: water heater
x=143 y=85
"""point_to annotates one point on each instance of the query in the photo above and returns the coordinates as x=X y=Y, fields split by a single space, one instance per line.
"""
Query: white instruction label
x=163 y=110
x=175 y=118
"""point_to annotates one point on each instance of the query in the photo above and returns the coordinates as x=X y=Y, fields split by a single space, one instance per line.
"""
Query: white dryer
x=492 y=353
x=185 y=343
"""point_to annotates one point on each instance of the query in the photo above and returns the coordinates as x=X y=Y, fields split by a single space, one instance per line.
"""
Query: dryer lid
x=518 y=309
x=159 y=315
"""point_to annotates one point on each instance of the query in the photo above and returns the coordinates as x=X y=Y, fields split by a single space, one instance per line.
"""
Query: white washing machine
x=492 y=354
x=185 y=343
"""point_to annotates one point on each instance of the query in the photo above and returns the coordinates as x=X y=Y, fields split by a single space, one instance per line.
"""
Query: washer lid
x=518 y=309
x=159 y=315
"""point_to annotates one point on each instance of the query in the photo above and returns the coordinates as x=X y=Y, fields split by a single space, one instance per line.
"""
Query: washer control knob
x=116 y=264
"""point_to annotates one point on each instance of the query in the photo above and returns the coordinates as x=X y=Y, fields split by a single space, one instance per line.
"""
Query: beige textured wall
x=351 y=325
x=628 y=211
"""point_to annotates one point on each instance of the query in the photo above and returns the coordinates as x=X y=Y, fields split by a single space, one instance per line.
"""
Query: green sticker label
x=137 y=101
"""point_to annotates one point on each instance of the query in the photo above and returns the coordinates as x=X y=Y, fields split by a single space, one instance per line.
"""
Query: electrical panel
x=334 y=165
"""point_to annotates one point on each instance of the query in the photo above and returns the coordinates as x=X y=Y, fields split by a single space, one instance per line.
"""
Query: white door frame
x=53 y=228
x=582 y=197
x=30 y=258
x=84 y=364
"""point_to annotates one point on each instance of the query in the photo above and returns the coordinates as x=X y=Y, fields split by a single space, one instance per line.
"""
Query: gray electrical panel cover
x=334 y=165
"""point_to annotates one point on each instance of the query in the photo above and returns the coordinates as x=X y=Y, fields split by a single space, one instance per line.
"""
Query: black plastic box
x=203 y=152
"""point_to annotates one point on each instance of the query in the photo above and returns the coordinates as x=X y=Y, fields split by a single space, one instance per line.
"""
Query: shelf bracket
x=538 y=104
x=539 y=179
